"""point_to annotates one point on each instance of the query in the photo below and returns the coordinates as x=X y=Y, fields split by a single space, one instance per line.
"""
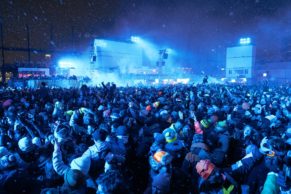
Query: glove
x=180 y=115
x=36 y=141
x=263 y=149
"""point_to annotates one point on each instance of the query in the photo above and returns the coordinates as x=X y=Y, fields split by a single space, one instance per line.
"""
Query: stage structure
x=114 y=56
x=240 y=60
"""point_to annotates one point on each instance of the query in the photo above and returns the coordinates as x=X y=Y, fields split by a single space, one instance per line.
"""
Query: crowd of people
x=171 y=139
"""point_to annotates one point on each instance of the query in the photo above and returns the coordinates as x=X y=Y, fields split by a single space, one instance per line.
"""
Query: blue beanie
x=122 y=130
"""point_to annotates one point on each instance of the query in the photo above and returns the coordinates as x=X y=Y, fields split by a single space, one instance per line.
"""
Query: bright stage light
x=135 y=39
x=100 y=43
x=245 y=41
x=66 y=63
x=265 y=74
x=150 y=50
x=233 y=81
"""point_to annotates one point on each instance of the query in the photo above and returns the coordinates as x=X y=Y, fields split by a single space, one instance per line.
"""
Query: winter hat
x=7 y=103
x=225 y=108
x=25 y=144
x=271 y=118
x=258 y=109
x=175 y=115
x=210 y=111
x=106 y=113
x=221 y=126
x=7 y=161
x=170 y=135
x=101 y=108
x=69 y=112
x=263 y=101
x=204 y=168
x=205 y=123
x=114 y=116
x=82 y=164
x=186 y=130
x=245 y=106
x=104 y=127
x=62 y=132
x=122 y=131
x=36 y=141
x=165 y=116
x=59 y=105
x=159 y=138
x=148 y=108
x=74 y=178
x=247 y=131
x=248 y=114
x=156 y=104
x=164 y=112
x=178 y=126
x=99 y=135
x=214 y=118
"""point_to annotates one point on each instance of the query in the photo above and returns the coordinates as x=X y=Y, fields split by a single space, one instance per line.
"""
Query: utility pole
x=3 y=72
x=28 y=43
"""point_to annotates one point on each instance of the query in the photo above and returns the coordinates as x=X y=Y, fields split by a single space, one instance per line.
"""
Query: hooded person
x=58 y=111
x=158 y=144
x=177 y=126
x=174 y=146
x=74 y=182
x=256 y=165
x=28 y=152
x=119 y=146
x=112 y=182
x=218 y=153
x=76 y=174
x=63 y=136
x=160 y=161
x=7 y=162
x=80 y=117
x=215 y=180
x=199 y=150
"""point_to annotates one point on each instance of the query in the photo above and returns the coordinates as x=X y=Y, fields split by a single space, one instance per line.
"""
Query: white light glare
x=245 y=41
x=135 y=39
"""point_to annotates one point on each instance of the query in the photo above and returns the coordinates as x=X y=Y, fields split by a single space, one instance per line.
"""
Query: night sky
x=202 y=28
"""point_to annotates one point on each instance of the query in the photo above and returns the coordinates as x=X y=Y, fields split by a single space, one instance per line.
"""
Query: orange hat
x=204 y=168
x=148 y=108
x=159 y=155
